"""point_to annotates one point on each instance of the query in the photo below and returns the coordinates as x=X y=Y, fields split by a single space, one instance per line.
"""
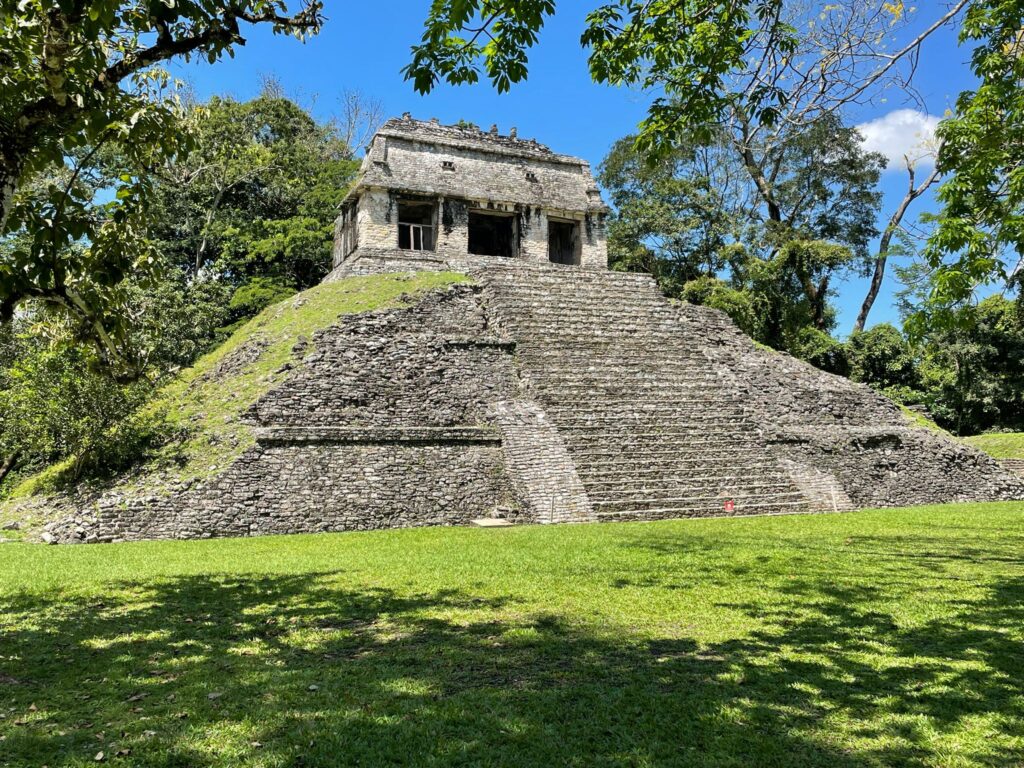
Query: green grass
x=1000 y=445
x=203 y=406
x=920 y=420
x=867 y=639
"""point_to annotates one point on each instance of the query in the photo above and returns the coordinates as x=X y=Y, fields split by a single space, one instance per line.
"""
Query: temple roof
x=426 y=157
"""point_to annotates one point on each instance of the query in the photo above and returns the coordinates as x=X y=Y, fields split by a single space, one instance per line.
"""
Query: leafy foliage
x=882 y=358
x=510 y=27
x=973 y=370
x=57 y=401
x=77 y=78
x=821 y=350
x=777 y=223
x=256 y=197
x=982 y=157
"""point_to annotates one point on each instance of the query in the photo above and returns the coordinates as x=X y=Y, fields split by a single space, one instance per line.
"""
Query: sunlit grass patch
x=1000 y=445
x=866 y=639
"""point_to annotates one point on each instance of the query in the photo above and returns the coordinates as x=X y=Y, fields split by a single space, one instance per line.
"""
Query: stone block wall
x=1013 y=465
x=382 y=421
x=540 y=465
x=844 y=434
x=316 y=485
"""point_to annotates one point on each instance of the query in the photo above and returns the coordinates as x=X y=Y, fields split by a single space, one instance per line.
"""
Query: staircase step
x=654 y=427
x=667 y=513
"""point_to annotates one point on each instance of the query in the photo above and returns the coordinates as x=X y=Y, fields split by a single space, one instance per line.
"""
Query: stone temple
x=546 y=389
x=429 y=194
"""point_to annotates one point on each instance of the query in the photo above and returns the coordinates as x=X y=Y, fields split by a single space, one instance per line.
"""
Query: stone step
x=549 y=304
x=673 y=459
x=577 y=323
x=745 y=487
x=737 y=495
x=526 y=274
x=560 y=391
x=691 y=442
x=699 y=367
x=692 y=423
x=577 y=303
x=644 y=390
x=671 y=464
x=506 y=293
x=631 y=406
x=705 y=510
x=633 y=498
x=616 y=473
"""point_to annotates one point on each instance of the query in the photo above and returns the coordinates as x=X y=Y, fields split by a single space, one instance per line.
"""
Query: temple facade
x=429 y=195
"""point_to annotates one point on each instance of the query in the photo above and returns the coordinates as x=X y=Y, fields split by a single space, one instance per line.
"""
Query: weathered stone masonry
x=550 y=390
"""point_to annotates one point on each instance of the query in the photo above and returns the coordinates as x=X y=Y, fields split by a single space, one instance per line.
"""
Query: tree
x=256 y=197
x=783 y=233
x=675 y=217
x=882 y=358
x=886 y=248
x=750 y=65
x=77 y=76
x=973 y=368
x=982 y=158
x=57 y=401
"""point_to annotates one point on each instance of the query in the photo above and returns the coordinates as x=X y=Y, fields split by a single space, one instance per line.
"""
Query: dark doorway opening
x=563 y=242
x=416 y=226
x=491 y=234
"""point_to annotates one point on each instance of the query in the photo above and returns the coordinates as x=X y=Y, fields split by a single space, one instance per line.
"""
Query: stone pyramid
x=545 y=389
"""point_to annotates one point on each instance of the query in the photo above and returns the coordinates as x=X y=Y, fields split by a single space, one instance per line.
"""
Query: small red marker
x=730 y=505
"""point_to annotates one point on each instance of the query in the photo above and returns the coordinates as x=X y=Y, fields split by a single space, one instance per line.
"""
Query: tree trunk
x=201 y=251
x=9 y=173
x=886 y=241
x=8 y=466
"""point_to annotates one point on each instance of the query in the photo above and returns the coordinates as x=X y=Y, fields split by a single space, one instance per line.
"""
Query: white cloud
x=902 y=132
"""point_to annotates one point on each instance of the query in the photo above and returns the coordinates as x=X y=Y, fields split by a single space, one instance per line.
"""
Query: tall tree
x=81 y=74
x=807 y=213
x=257 y=196
x=979 y=237
x=746 y=64
x=893 y=229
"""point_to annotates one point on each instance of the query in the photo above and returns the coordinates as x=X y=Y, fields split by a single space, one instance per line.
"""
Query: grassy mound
x=877 y=638
x=1000 y=445
x=197 y=416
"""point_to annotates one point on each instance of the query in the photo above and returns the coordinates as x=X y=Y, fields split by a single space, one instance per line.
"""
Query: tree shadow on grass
x=298 y=671
x=842 y=643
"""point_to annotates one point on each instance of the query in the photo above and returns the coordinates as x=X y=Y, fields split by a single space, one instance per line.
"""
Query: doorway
x=563 y=242
x=492 y=234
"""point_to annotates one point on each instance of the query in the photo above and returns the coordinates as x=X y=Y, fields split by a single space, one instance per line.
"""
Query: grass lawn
x=871 y=638
x=1000 y=445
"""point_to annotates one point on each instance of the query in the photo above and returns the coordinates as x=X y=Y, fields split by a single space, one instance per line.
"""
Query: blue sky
x=364 y=45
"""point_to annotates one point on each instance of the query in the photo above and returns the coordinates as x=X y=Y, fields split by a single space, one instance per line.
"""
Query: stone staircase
x=653 y=429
